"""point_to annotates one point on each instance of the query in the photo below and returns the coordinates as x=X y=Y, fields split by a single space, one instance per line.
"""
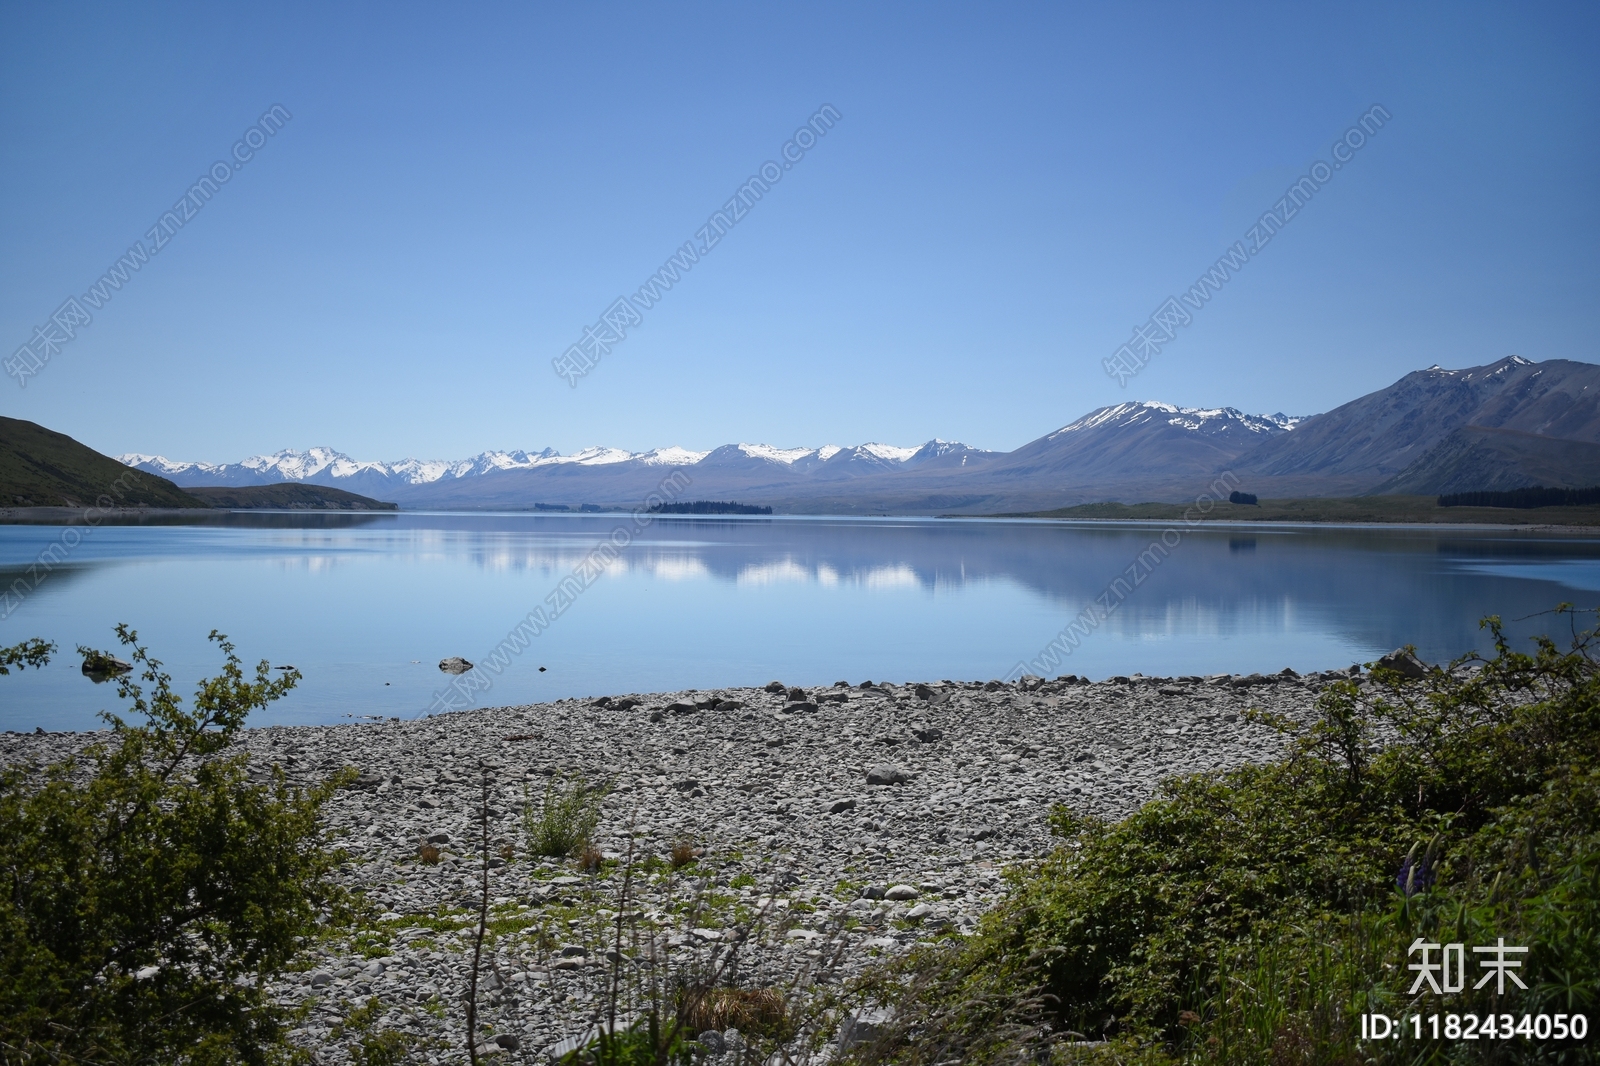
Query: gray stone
x=899 y=893
x=764 y=809
x=455 y=665
x=864 y=1026
x=562 y=1048
x=840 y=806
x=887 y=774
x=1404 y=663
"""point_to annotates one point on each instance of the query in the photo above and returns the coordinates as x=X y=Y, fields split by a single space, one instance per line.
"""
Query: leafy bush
x=565 y=819
x=1252 y=916
x=35 y=653
x=151 y=890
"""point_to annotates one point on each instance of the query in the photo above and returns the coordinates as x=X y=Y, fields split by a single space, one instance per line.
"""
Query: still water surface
x=366 y=605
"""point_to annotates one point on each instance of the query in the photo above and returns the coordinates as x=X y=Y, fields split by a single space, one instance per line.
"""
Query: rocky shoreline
x=828 y=828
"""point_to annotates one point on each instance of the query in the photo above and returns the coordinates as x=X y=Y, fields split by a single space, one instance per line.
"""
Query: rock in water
x=1404 y=663
x=454 y=665
x=98 y=667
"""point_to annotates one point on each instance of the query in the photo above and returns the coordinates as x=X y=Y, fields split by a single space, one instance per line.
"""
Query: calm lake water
x=366 y=605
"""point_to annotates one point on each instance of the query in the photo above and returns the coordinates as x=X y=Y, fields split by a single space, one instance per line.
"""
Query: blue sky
x=1010 y=190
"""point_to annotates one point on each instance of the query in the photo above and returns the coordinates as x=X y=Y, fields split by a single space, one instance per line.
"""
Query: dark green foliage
x=648 y=1042
x=1537 y=496
x=1246 y=498
x=1252 y=916
x=35 y=653
x=709 y=507
x=376 y=1046
x=1386 y=508
x=150 y=889
x=42 y=468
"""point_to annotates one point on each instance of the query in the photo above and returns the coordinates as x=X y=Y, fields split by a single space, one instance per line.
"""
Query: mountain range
x=1511 y=423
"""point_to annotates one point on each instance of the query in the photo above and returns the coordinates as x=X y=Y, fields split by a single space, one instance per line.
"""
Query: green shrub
x=35 y=653
x=565 y=819
x=1252 y=916
x=647 y=1042
x=151 y=890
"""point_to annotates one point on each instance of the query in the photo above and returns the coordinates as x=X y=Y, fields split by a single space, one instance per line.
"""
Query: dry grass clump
x=428 y=853
x=760 y=1011
x=590 y=858
x=683 y=853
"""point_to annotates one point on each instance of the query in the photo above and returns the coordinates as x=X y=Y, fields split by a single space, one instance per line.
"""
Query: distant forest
x=709 y=507
x=1537 y=496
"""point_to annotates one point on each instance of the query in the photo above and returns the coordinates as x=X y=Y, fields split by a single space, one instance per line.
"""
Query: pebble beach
x=815 y=832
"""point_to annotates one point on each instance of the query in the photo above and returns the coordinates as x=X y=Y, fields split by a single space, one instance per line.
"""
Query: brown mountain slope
x=1477 y=458
x=1384 y=432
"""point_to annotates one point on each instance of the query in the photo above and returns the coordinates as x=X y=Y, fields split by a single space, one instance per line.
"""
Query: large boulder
x=1404 y=663
x=864 y=1026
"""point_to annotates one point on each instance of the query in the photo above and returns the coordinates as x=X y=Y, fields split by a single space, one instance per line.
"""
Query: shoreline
x=782 y=795
x=71 y=516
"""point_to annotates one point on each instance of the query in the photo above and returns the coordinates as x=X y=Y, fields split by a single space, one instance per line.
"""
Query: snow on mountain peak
x=786 y=456
x=673 y=456
x=1207 y=420
x=889 y=452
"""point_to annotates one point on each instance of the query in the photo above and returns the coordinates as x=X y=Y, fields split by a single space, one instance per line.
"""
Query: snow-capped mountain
x=1128 y=440
x=1206 y=421
x=326 y=466
x=1510 y=423
x=1381 y=434
x=1139 y=439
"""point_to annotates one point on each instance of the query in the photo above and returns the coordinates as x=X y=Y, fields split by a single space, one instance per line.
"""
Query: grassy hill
x=289 y=496
x=42 y=468
x=1333 y=509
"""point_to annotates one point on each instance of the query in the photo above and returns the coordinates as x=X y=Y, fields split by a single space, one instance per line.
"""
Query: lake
x=365 y=606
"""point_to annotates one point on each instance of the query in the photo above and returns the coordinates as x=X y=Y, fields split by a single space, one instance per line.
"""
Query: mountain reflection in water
x=366 y=605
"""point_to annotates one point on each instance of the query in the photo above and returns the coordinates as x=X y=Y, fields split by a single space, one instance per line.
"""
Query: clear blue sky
x=1012 y=187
